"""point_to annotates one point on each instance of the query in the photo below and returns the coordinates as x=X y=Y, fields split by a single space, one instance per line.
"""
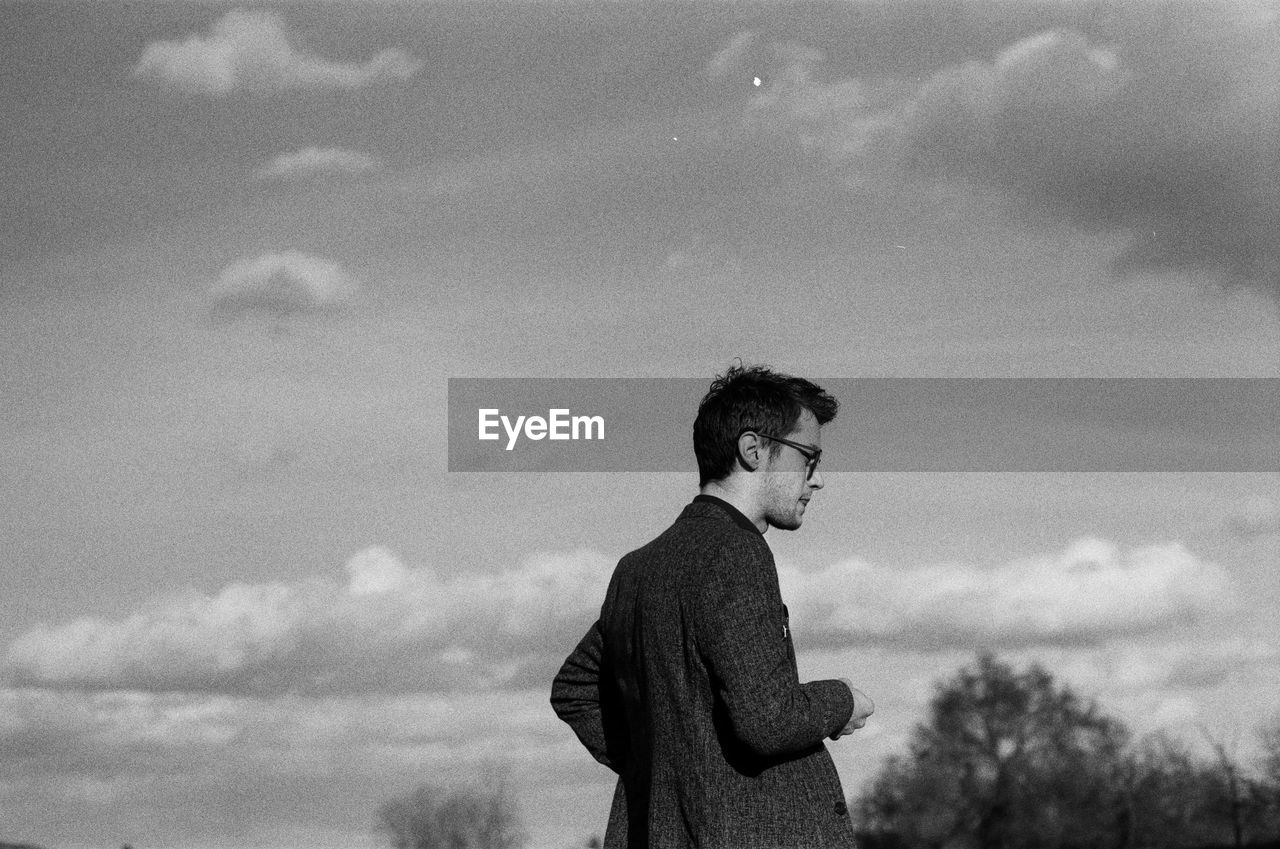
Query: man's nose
x=815 y=480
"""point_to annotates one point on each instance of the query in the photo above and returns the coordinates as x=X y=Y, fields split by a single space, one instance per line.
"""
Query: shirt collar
x=734 y=513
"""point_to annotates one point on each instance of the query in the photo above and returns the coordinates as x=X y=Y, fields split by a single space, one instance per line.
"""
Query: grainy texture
x=687 y=687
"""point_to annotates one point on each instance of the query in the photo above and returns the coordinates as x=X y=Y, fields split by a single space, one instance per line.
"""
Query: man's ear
x=750 y=451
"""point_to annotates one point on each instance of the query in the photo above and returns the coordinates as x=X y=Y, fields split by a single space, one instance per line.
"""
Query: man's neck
x=741 y=501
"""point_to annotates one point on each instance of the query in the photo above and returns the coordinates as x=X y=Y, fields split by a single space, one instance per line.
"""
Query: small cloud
x=311 y=162
x=732 y=58
x=1257 y=518
x=257 y=456
x=1087 y=594
x=750 y=61
x=281 y=285
x=249 y=49
x=376 y=571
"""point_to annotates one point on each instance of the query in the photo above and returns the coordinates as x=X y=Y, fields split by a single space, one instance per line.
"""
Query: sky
x=246 y=247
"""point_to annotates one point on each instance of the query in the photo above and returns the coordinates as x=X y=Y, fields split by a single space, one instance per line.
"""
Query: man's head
x=757 y=422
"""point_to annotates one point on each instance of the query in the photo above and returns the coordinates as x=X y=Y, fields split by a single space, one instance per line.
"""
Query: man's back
x=716 y=742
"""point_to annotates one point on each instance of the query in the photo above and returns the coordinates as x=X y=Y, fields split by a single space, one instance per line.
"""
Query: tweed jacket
x=687 y=688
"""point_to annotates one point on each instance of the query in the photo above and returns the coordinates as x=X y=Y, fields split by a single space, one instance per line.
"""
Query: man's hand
x=862 y=708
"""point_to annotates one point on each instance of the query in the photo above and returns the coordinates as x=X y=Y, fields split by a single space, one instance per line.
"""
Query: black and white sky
x=246 y=246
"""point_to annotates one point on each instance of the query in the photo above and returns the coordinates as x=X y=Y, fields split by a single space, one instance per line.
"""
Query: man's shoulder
x=703 y=527
x=703 y=548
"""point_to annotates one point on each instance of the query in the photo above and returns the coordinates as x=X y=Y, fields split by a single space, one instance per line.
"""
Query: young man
x=687 y=686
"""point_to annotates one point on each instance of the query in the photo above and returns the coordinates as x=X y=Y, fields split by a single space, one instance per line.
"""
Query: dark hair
x=751 y=398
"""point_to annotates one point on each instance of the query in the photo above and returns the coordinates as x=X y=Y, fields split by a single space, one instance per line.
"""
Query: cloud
x=389 y=627
x=250 y=50
x=1163 y=129
x=1175 y=685
x=1168 y=667
x=201 y=769
x=734 y=57
x=394 y=627
x=281 y=285
x=1257 y=518
x=750 y=61
x=91 y=734
x=1089 y=593
x=311 y=162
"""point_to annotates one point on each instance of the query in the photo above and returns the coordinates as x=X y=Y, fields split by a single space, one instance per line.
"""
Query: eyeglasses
x=812 y=455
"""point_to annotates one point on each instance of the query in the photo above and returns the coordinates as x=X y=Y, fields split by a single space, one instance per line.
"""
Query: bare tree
x=1231 y=777
x=1266 y=789
x=1269 y=734
x=1172 y=798
x=475 y=815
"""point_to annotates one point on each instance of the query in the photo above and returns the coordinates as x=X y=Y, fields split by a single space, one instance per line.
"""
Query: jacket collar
x=729 y=510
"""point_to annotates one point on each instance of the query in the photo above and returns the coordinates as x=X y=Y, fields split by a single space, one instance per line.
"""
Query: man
x=687 y=686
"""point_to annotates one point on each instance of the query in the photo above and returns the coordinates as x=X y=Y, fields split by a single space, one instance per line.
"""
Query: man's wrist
x=845 y=715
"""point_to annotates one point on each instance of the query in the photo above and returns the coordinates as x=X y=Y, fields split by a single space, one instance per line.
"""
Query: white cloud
x=390 y=627
x=249 y=49
x=318 y=162
x=1089 y=593
x=395 y=627
x=1164 y=669
x=949 y=123
x=280 y=285
x=1162 y=130
x=1178 y=685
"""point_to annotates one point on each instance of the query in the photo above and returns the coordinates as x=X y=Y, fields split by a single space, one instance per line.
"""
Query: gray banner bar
x=885 y=424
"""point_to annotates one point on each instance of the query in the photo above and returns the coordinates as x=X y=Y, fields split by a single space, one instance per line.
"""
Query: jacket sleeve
x=576 y=697
x=743 y=639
